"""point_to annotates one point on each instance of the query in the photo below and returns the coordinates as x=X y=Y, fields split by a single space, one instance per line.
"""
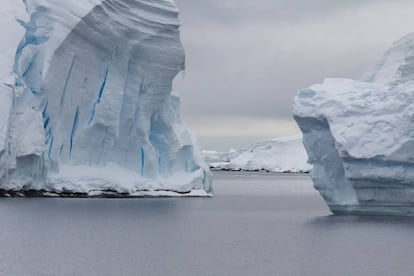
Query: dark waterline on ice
x=257 y=224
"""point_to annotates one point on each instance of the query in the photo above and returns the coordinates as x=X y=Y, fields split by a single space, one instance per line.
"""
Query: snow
x=285 y=154
x=360 y=136
x=13 y=32
x=397 y=64
x=213 y=156
x=88 y=104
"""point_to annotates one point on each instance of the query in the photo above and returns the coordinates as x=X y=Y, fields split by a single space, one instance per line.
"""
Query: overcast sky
x=246 y=59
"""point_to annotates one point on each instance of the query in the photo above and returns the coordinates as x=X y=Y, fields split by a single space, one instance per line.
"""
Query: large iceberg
x=86 y=102
x=281 y=155
x=359 y=136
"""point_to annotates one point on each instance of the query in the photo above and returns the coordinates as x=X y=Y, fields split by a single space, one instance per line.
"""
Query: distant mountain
x=285 y=154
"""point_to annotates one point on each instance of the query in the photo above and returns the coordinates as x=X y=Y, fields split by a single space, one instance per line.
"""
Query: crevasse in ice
x=90 y=106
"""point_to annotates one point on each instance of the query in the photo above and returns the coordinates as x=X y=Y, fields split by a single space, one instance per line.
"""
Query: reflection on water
x=262 y=224
x=332 y=220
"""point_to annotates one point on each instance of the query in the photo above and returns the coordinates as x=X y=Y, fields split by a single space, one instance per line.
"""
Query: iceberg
x=86 y=101
x=281 y=155
x=359 y=136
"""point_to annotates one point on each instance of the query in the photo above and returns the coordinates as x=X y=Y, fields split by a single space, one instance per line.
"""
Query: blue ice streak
x=73 y=132
x=65 y=87
x=98 y=100
x=142 y=161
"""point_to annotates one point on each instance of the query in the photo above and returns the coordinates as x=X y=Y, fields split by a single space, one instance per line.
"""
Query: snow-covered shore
x=283 y=155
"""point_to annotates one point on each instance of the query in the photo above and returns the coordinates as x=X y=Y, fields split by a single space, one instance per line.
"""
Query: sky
x=246 y=60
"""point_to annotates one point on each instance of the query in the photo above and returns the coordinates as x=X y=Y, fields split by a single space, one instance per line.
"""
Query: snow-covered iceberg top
x=360 y=136
x=285 y=154
x=86 y=101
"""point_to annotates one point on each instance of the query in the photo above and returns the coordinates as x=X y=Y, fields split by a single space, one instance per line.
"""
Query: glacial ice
x=284 y=154
x=359 y=136
x=86 y=101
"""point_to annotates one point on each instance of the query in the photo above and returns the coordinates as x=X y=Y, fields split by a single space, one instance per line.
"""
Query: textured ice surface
x=285 y=154
x=360 y=136
x=87 y=103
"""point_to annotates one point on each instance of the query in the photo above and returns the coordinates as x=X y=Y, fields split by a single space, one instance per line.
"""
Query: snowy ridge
x=92 y=94
x=360 y=136
x=397 y=64
x=285 y=154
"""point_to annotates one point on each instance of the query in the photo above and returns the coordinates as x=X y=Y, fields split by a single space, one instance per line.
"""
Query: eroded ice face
x=96 y=78
x=371 y=132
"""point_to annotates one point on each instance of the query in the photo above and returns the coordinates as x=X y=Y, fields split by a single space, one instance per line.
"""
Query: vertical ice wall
x=92 y=107
x=360 y=136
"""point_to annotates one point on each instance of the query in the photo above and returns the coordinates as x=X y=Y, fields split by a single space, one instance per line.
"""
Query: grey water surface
x=257 y=224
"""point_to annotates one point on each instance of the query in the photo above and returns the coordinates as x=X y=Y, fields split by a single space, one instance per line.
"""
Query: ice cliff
x=86 y=100
x=359 y=136
x=285 y=154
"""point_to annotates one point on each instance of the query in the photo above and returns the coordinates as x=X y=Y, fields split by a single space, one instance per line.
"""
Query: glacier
x=281 y=155
x=359 y=135
x=86 y=100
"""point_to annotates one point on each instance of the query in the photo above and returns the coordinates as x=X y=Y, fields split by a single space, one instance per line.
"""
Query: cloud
x=241 y=126
x=247 y=59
